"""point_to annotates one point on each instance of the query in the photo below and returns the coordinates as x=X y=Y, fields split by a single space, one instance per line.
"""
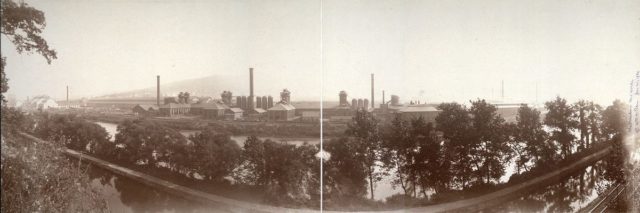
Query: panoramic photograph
x=320 y=106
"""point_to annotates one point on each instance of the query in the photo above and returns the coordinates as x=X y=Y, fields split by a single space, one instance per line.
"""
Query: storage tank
x=343 y=98
x=354 y=104
x=265 y=102
x=366 y=104
x=258 y=102
x=239 y=102
x=244 y=103
x=360 y=103
x=395 y=100
x=270 y=102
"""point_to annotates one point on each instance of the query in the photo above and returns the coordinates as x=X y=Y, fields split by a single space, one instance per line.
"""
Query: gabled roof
x=213 y=105
x=259 y=110
x=235 y=110
x=282 y=107
x=148 y=106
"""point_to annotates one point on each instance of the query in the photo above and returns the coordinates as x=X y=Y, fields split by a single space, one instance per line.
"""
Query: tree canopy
x=22 y=25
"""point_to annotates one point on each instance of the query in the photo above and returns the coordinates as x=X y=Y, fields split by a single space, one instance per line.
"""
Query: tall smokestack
x=158 y=90
x=67 y=96
x=373 y=104
x=251 y=82
x=383 y=102
x=250 y=100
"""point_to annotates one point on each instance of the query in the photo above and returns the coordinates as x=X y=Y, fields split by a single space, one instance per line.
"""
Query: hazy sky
x=426 y=50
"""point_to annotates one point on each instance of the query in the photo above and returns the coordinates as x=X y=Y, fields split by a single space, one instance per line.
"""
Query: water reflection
x=570 y=194
x=125 y=195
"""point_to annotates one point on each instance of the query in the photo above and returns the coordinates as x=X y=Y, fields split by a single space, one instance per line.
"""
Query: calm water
x=125 y=195
x=112 y=130
x=569 y=194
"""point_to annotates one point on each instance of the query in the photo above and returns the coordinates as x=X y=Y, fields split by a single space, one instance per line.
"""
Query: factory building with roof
x=283 y=110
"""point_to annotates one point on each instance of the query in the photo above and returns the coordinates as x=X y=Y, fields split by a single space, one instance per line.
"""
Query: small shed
x=233 y=114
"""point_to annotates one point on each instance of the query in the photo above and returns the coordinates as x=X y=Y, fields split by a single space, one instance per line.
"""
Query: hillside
x=205 y=86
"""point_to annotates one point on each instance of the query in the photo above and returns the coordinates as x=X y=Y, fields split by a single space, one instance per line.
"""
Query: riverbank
x=473 y=204
x=225 y=204
x=514 y=191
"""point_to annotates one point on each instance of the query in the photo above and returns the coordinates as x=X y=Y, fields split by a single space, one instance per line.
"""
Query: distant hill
x=205 y=86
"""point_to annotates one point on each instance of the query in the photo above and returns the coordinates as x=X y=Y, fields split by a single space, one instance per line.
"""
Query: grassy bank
x=36 y=177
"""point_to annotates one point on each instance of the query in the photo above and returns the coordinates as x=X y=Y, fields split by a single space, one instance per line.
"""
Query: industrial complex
x=259 y=108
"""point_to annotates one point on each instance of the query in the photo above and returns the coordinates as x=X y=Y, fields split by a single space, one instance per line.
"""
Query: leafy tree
x=364 y=129
x=581 y=108
x=429 y=167
x=490 y=140
x=455 y=123
x=530 y=135
x=398 y=155
x=74 y=132
x=22 y=24
x=283 y=170
x=215 y=155
x=614 y=119
x=147 y=143
x=253 y=165
x=588 y=117
x=594 y=120
x=345 y=175
x=616 y=162
x=561 y=119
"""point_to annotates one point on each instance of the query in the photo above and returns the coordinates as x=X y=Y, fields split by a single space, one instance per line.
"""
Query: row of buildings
x=244 y=108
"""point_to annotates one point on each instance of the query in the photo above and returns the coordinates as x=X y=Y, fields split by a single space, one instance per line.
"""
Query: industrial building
x=146 y=110
x=283 y=110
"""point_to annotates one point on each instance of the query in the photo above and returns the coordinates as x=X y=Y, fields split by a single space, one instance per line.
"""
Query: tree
x=345 y=176
x=364 y=129
x=398 y=153
x=490 y=140
x=23 y=25
x=429 y=167
x=214 y=155
x=147 y=142
x=588 y=118
x=253 y=167
x=594 y=120
x=614 y=119
x=284 y=171
x=75 y=133
x=454 y=122
x=530 y=135
x=561 y=119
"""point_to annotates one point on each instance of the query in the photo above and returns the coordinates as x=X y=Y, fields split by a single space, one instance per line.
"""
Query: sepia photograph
x=320 y=106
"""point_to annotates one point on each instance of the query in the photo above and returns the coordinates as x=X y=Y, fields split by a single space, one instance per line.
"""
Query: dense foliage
x=466 y=149
x=286 y=173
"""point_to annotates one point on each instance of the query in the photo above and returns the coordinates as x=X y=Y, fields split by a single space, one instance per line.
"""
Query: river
x=111 y=128
x=569 y=194
x=125 y=195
